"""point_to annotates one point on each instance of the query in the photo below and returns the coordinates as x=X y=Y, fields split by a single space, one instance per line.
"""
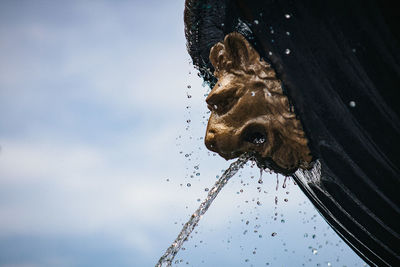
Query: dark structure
x=339 y=63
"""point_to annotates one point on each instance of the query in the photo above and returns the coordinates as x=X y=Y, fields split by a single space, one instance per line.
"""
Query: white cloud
x=99 y=58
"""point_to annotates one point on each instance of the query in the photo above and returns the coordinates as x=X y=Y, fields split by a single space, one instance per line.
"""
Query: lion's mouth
x=255 y=139
x=255 y=135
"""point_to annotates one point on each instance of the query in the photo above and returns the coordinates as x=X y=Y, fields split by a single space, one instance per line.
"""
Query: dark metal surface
x=340 y=67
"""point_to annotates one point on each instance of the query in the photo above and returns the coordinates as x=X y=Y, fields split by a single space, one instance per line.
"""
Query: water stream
x=168 y=257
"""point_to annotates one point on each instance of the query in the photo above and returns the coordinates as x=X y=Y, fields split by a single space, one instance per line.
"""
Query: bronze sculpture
x=249 y=111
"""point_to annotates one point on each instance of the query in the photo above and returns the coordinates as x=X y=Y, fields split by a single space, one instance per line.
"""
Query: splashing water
x=169 y=255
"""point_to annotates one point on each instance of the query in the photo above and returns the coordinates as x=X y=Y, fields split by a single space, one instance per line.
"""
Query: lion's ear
x=240 y=51
x=234 y=53
x=218 y=56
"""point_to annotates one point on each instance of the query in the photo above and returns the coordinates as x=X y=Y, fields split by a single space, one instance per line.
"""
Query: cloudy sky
x=102 y=160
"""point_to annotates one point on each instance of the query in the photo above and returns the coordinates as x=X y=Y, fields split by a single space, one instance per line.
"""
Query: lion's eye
x=221 y=103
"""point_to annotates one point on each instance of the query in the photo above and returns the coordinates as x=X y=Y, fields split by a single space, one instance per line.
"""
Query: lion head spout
x=249 y=112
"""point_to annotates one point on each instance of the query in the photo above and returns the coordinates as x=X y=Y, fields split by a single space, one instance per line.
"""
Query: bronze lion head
x=249 y=112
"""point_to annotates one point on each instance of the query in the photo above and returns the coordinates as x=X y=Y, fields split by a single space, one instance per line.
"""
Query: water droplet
x=284 y=182
x=286 y=200
x=273 y=234
x=198 y=174
x=255 y=21
x=314 y=251
x=260 y=181
x=352 y=104
x=329 y=264
x=287 y=33
x=188 y=185
x=186 y=155
x=215 y=107
x=287 y=16
x=206 y=189
x=258 y=203
x=272 y=31
x=287 y=51
x=167 y=180
x=253 y=93
x=282 y=221
x=189 y=96
x=270 y=53
x=189 y=86
x=198 y=200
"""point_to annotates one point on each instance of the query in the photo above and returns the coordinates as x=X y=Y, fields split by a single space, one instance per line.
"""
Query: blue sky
x=94 y=113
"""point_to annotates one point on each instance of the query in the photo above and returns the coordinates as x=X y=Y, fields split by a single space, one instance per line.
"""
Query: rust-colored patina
x=249 y=112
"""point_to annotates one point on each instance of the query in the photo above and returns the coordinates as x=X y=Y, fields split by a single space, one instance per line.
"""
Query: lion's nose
x=210 y=140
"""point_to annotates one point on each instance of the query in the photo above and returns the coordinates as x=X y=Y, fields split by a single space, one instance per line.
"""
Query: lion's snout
x=220 y=139
x=210 y=140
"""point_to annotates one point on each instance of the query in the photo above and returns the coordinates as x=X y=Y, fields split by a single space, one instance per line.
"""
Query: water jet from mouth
x=169 y=255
